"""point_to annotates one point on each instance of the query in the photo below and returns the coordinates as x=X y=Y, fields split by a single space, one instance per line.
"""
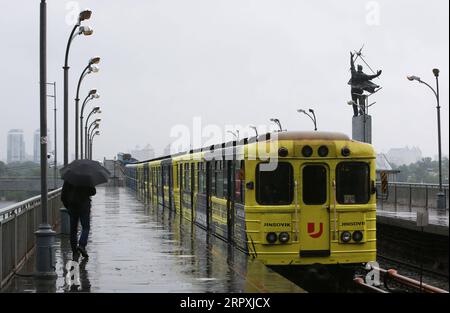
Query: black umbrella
x=85 y=173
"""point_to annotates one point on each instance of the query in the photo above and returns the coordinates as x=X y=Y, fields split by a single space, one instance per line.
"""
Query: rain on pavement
x=135 y=248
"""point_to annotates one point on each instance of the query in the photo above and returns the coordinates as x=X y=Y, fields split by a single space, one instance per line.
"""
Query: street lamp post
x=440 y=195
x=45 y=236
x=312 y=116
x=92 y=95
x=255 y=129
x=55 y=161
x=235 y=134
x=94 y=110
x=277 y=121
x=87 y=31
x=90 y=143
x=90 y=68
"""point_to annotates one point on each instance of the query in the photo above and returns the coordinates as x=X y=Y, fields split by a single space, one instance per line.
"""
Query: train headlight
x=357 y=236
x=271 y=237
x=345 y=151
x=283 y=152
x=283 y=237
x=323 y=151
x=307 y=151
x=346 y=236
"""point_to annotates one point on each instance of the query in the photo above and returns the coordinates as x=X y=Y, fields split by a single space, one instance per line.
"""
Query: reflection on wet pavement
x=134 y=248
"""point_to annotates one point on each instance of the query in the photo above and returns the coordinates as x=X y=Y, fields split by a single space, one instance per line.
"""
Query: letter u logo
x=311 y=230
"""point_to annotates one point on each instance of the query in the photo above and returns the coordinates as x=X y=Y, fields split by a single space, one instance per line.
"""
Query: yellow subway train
x=287 y=198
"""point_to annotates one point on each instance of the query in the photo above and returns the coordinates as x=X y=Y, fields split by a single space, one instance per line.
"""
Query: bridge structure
x=136 y=248
x=27 y=183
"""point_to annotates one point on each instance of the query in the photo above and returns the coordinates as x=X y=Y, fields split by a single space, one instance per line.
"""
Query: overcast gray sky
x=229 y=62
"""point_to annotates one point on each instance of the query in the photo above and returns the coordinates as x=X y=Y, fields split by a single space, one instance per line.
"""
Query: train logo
x=311 y=229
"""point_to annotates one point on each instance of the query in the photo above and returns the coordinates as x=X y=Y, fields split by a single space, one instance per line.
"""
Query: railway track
x=393 y=282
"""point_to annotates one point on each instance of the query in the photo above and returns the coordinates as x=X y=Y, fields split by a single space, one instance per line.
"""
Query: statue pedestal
x=362 y=128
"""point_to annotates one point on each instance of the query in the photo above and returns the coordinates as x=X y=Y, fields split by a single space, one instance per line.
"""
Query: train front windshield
x=353 y=183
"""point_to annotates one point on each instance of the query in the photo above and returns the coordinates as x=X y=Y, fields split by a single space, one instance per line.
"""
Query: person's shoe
x=75 y=256
x=83 y=252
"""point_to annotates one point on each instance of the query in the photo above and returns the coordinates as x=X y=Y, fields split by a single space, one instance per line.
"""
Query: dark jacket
x=77 y=198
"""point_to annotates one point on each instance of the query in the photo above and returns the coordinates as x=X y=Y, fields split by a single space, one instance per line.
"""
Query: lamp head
x=94 y=60
x=301 y=111
x=96 y=109
x=436 y=72
x=98 y=120
x=95 y=96
x=94 y=69
x=412 y=78
x=92 y=92
x=97 y=132
x=86 y=30
x=311 y=110
x=84 y=15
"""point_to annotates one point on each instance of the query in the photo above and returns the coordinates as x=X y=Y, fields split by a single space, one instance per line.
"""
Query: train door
x=193 y=200
x=208 y=193
x=170 y=172
x=181 y=186
x=314 y=210
x=230 y=170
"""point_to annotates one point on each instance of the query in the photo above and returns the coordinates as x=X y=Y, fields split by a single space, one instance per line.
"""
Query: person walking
x=77 y=200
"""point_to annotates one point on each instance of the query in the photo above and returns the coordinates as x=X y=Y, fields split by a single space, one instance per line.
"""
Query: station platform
x=133 y=248
x=403 y=218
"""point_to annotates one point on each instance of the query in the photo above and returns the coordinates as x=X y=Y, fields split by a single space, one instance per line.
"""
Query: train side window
x=352 y=183
x=212 y=171
x=275 y=187
x=201 y=178
x=219 y=179
x=314 y=184
x=239 y=177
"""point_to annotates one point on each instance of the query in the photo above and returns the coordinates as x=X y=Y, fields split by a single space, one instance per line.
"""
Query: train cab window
x=314 y=184
x=352 y=183
x=275 y=187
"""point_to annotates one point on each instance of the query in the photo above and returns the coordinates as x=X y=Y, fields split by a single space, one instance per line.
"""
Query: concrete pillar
x=362 y=128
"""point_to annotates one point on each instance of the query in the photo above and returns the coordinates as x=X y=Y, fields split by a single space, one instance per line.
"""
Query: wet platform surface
x=436 y=217
x=134 y=248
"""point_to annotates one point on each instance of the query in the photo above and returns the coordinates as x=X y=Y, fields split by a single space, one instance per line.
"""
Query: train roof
x=288 y=135
x=311 y=135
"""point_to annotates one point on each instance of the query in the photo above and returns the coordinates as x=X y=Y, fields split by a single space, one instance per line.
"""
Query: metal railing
x=410 y=196
x=18 y=224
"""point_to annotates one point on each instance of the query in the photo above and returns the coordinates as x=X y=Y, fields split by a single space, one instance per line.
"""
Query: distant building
x=16 y=146
x=146 y=153
x=37 y=145
x=404 y=156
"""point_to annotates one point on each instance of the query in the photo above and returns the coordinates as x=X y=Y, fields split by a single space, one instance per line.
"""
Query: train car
x=287 y=198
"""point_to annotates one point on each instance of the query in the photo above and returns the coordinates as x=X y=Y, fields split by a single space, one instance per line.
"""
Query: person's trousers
x=84 y=217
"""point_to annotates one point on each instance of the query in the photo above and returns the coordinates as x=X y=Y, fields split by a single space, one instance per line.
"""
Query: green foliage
x=25 y=169
x=423 y=171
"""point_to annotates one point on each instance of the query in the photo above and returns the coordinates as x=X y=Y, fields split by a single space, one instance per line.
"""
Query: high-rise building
x=16 y=146
x=37 y=145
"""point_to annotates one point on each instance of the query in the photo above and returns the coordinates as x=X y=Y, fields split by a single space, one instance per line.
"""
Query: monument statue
x=360 y=82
